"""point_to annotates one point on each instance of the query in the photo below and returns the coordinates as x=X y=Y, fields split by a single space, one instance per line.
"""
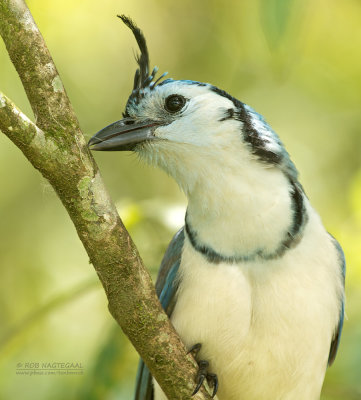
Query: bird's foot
x=203 y=373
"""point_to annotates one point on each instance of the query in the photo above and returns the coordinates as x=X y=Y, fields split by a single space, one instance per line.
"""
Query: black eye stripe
x=174 y=103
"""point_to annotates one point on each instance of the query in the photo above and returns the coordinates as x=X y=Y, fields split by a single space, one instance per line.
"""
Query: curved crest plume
x=142 y=78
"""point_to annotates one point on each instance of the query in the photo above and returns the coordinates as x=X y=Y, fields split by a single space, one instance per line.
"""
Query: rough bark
x=55 y=145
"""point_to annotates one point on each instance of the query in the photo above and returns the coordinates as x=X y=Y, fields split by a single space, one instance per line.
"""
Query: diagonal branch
x=57 y=148
x=35 y=66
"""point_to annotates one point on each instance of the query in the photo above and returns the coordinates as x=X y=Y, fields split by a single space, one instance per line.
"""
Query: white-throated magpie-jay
x=253 y=283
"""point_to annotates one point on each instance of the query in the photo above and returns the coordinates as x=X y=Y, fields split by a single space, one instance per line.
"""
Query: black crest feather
x=142 y=78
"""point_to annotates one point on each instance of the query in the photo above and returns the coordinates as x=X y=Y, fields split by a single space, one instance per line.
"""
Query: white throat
x=241 y=213
x=236 y=204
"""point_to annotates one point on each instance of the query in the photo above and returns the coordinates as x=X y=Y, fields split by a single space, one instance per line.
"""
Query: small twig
x=15 y=124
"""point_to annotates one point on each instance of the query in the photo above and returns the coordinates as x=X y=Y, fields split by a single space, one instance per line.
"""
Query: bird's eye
x=174 y=103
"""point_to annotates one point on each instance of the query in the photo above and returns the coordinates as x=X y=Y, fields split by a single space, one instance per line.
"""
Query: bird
x=253 y=283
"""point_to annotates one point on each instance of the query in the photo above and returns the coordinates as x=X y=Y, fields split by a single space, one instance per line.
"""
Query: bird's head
x=186 y=126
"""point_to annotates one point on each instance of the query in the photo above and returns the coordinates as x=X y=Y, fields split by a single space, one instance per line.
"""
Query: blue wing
x=336 y=339
x=166 y=289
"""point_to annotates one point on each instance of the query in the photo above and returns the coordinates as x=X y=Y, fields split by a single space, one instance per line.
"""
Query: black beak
x=123 y=135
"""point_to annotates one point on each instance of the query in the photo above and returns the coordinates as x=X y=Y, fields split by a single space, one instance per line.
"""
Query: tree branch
x=57 y=148
x=16 y=125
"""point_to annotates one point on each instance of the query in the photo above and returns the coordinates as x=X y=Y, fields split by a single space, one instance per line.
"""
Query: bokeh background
x=297 y=62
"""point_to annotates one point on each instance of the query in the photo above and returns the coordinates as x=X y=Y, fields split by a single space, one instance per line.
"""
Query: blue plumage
x=166 y=289
x=336 y=340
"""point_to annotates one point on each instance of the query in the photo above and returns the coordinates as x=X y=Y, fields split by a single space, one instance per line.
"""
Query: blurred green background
x=297 y=62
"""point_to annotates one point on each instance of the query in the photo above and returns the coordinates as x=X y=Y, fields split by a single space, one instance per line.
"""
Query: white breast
x=265 y=327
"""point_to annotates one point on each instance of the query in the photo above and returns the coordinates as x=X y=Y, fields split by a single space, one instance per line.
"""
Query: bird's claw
x=194 y=350
x=212 y=380
x=203 y=373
